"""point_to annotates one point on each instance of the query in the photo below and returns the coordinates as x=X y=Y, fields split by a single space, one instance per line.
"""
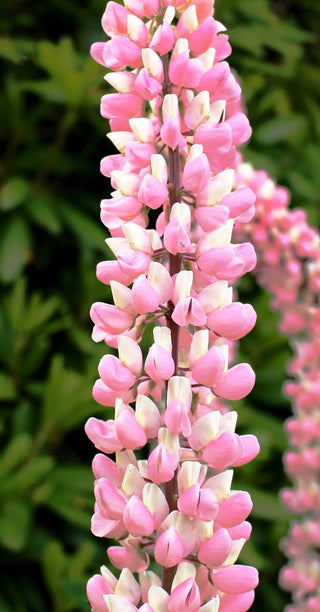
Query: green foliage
x=50 y=242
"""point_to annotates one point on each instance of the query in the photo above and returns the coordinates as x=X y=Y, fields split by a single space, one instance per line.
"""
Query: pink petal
x=236 y=579
x=163 y=39
x=215 y=551
x=239 y=201
x=198 y=503
x=120 y=105
x=103 y=435
x=115 y=374
x=208 y=369
x=104 y=467
x=169 y=549
x=236 y=383
x=109 y=318
x=159 y=364
x=196 y=174
x=241 y=130
x=97 y=586
x=211 y=217
x=250 y=448
x=96 y=51
x=222 y=452
x=106 y=396
x=234 y=509
x=130 y=433
x=137 y=518
x=152 y=192
x=109 y=499
x=232 y=321
x=120 y=52
x=241 y=602
x=185 y=597
x=143 y=297
x=128 y=556
x=176 y=418
x=160 y=465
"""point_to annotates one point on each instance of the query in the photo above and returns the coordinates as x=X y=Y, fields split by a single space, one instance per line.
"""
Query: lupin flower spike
x=176 y=123
x=288 y=252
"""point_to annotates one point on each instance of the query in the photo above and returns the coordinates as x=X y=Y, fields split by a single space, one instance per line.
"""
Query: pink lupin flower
x=163 y=38
x=171 y=129
x=283 y=240
x=183 y=70
x=129 y=432
x=127 y=556
x=185 y=597
x=110 y=501
x=161 y=465
x=109 y=319
x=137 y=518
x=97 y=587
x=198 y=503
x=214 y=552
x=169 y=549
x=235 y=579
x=175 y=120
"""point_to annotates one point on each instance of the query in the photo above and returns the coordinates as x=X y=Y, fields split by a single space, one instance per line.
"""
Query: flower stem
x=174 y=267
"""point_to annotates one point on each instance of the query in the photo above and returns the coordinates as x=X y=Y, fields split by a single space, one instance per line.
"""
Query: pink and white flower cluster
x=288 y=252
x=176 y=125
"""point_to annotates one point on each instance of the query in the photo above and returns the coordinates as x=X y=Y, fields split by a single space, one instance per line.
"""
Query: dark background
x=51 y=238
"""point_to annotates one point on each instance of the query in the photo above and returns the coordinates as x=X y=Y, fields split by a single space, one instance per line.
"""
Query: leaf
x=54 y=564
x=75 y=478
x=7 y=388
x=16 y=303
x=15 y=518
x=49 y=90
x=14 y=249
x=42 y=209
x=9 y=50
x=75 y=590
x=282 y=129
x=71 y=495
x=71 y=74
x=30 y=474
x=88 y=232
x=13 y=193
x=80 y=560
x=15 y=453
x=67 y=395
x=65 y=506
x=39 y=312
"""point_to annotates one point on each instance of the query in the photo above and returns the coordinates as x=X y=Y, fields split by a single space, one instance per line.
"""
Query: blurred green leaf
x=15 y=453
x=71 y=495
x=42 y=209
x=54 y=564
x=281 y=129
x=7 y=388
x=13 y=193
x=15 y=248
x=72 y=75
x=35 y=470
x=15 y=518
x=15 y=50
x=88 y=232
